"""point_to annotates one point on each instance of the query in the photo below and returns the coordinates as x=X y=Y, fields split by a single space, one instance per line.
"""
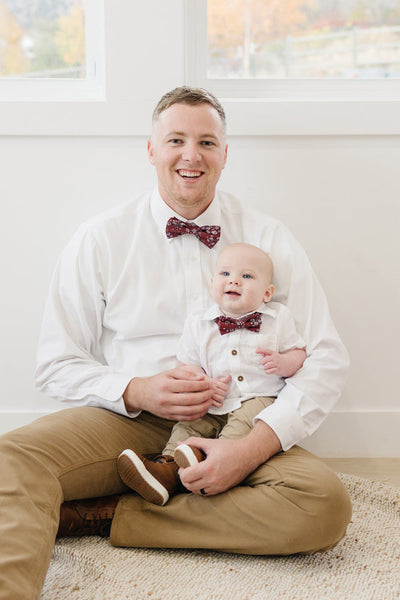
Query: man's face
x=241 y=281
x=189 y=152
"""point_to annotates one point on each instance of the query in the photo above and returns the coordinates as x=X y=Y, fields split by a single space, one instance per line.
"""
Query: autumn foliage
x=50 y=42
x=231 y=21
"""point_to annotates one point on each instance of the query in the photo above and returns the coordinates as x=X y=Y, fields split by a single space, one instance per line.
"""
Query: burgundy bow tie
x=251 y=322
x=208 y=234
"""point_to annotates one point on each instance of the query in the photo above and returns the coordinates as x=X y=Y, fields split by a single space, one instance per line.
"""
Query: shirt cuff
x=110 y=396
x=117 y=406
x=106 y=394
x=283 y=418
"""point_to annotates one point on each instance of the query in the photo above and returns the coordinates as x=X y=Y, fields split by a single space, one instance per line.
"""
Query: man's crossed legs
x=293 y=503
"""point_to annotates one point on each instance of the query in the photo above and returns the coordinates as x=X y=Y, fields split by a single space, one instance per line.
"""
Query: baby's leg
x=207 y=427
x=240 y=421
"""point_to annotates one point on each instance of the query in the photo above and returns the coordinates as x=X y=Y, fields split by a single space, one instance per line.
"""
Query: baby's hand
x=272 y=361
x=220 y=388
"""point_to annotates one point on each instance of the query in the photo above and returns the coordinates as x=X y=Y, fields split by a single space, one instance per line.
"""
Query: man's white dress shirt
x=234 y=353
x=121 y=292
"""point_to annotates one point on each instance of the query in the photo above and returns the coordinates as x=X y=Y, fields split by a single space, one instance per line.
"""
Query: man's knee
x=325 y=511
x=312 y=507
x=335 y=513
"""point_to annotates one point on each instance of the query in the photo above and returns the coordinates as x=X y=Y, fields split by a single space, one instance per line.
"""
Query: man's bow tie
x=251 y=322
x=208 y=234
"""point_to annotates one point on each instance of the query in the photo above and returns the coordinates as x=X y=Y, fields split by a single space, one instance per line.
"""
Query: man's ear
x=226 y=154
x=269 y=293
x=150 y=151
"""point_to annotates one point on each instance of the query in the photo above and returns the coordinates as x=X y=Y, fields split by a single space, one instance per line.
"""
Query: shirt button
x=234 y=352
x=240 y=378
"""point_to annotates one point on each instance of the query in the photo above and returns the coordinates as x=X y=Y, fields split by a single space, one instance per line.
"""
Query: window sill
x=256 y=116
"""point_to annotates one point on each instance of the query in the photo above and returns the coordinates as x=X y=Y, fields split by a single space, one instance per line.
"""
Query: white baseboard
x=369 y=434
x=343 y=434
x=12 y=419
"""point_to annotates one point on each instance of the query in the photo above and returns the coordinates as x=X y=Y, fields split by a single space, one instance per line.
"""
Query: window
x=50 y=49
x=307 y=76
x=344 y=39
x=42 y=39
x=127 y=70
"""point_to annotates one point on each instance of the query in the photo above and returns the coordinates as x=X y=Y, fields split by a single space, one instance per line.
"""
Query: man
x=115 y=311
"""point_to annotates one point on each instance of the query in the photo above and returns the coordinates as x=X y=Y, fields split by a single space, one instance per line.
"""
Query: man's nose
x=191 y=153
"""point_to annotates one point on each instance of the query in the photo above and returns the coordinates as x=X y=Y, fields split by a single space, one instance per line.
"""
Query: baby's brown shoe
x=155 y=480
x=187 y=456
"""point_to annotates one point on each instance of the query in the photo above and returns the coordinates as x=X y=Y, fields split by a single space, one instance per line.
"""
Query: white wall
x=338 y=194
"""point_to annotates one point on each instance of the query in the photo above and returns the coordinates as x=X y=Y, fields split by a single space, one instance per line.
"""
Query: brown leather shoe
x=91 y=516
x=154 y=479
x=187 y=456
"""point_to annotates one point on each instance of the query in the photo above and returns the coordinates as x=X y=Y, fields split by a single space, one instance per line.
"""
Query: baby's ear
x=269 y=293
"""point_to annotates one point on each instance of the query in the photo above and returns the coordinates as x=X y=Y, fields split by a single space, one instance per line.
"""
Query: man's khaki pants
x=293 y=503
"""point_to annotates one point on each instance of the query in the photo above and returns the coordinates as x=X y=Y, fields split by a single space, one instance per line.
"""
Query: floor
x=384 y=470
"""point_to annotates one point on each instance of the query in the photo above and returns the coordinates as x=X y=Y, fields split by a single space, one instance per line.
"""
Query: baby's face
x=242 y=280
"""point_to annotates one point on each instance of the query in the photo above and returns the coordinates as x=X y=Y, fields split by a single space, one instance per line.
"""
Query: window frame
x=292 y=106
x=129 y=94
x=40 y=89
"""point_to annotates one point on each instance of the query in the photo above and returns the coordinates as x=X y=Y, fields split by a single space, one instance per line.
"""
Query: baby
x=246 y=345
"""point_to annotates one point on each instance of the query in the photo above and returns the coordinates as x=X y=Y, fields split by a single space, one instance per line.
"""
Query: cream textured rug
x=365 y=565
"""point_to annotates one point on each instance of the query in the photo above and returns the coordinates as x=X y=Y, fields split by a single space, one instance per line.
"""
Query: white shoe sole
x=135 y=475
x=184 y=456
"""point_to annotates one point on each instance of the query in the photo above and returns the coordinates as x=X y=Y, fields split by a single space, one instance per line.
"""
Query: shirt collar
x=214 y=311
x=162 y=212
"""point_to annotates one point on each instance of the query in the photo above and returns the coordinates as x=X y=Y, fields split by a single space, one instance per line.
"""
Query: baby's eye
x=246 y=276
x=225 y=273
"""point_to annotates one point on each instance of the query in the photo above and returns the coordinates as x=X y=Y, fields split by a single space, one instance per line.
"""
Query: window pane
x=42 y=39
x=303 y=39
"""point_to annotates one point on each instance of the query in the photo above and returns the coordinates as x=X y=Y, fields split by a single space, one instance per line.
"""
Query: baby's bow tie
x=251 y=322
x=208 y=234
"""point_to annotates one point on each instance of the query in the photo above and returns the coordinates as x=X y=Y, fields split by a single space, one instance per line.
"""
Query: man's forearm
x=292 y=361
x=260 y=444
x=131 y=395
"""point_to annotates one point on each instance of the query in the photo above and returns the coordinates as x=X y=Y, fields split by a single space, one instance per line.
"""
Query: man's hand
x=219 y=385
x=181 y=394
x=228 y=462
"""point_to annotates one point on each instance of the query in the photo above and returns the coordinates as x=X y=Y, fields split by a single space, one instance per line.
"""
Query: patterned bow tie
x=251 y=322
x=208 y=234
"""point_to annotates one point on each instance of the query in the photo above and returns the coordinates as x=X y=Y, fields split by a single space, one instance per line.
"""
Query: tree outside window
x=303 y=39
x=43 y=39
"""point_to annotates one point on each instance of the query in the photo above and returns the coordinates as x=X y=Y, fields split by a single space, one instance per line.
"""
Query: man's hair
x=188 y=95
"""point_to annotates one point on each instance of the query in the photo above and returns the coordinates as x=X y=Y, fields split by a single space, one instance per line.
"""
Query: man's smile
x=186 y=174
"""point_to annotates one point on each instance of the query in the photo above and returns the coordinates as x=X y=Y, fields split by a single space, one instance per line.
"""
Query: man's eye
x=175 y=141
x=207 y=143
